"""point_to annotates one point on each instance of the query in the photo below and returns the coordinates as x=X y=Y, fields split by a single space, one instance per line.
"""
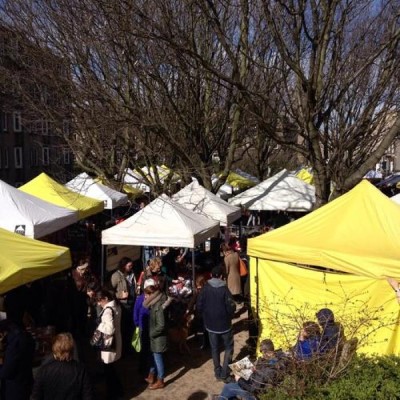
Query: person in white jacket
x=110 y=324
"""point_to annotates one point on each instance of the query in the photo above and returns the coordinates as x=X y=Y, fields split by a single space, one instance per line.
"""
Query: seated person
x=308 y=341
x=267 y=371
x=332 y=336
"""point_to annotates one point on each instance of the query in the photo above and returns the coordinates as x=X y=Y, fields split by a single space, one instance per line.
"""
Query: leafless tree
x=183 y=81
x=333 y=65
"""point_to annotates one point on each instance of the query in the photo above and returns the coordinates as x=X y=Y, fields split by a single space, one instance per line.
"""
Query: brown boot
x=158 y=385
x=151 y=378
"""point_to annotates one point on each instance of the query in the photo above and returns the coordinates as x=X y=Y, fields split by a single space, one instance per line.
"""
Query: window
x=66 y=127
x=66 y=155
x=17 y=125
x=45 y=156
x=34 y=158
x=18 y=157
x=45 y=127
x=4 y=122
x=6 y=157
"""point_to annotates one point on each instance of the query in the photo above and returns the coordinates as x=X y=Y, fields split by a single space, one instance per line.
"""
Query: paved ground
x=188 y=376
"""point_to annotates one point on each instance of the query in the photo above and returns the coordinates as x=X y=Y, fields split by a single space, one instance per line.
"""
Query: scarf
x=152 y=299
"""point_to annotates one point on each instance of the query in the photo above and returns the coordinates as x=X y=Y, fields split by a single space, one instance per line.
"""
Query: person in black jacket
x=61 y=377
x=16 y=365
x=216 y=304
x=332 y=336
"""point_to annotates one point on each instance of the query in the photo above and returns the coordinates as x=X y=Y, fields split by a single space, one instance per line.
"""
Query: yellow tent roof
x=358 y=233
x=24 y=260
x=238 y=181
x=131 y=191
x=305 y=176
x=53 y=192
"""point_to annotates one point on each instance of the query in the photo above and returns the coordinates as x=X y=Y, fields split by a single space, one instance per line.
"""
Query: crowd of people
x=152 y=298
x=147 y=302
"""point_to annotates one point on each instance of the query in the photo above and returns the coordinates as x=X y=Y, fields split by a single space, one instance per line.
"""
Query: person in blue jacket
x=308 y=341
x=141 y=317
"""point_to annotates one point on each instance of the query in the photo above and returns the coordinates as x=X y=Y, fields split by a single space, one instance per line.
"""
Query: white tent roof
x=87 y=186
x=196 y=198
x=396 y=198
x=225 y=190
x=30 y=216
x=282 y=192
x=134 y=179
x=162 y=223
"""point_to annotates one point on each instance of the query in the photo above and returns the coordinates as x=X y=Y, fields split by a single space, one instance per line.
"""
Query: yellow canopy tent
x=24 y=260
x=53 y=192
x=131 y=191
x=305 y=175
x=239 y=182
x=357 y=238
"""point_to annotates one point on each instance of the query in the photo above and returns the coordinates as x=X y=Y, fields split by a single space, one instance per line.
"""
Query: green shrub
x=366 y=378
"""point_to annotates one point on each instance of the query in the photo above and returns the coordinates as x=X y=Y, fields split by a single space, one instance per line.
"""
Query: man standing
x=216 y=304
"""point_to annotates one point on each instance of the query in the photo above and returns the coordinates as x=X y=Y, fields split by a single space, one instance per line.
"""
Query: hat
x=82 y=267
x=149 y=282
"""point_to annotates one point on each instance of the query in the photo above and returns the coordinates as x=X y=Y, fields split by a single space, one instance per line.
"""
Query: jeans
x=233 y=390
x=227 y=339
x=158 y=365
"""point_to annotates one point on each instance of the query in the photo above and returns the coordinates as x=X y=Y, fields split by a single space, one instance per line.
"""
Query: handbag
x=136 y=340
x=103 y=341
x=243 y=271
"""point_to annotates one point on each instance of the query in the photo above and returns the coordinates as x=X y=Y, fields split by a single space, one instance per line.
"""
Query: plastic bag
x=136 y=340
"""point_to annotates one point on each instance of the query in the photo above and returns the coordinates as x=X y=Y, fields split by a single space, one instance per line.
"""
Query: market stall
x=162 y=223
x=87 y=186
x=30 y=216
x=53 y=192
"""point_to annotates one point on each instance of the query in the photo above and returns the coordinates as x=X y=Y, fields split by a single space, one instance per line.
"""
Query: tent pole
x=193 y=272
x=103 y=263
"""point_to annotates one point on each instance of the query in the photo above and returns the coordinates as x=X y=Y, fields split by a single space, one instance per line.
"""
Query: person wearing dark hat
x=268 y=370
x=216 y=304
x=16 y=365
x=332 y=335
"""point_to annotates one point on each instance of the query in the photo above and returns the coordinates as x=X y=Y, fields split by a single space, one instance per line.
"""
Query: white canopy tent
x=134 y=179
x=30 y=216
x=87 y=186
x=225 y=190
x=162 y=223
x=282 y=192
x=396 y=198
x=196 y=198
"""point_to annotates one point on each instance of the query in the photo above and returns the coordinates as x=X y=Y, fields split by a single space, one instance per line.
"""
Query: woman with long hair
x=155 y=300
x=110 y=324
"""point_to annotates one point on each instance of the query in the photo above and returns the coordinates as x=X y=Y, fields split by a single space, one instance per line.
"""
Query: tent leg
x=193 y=273
x=103 y=263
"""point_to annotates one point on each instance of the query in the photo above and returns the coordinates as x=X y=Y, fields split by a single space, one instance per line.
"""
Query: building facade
x=29 y=144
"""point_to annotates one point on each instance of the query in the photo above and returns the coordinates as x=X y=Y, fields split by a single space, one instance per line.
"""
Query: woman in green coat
x=156 y=301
